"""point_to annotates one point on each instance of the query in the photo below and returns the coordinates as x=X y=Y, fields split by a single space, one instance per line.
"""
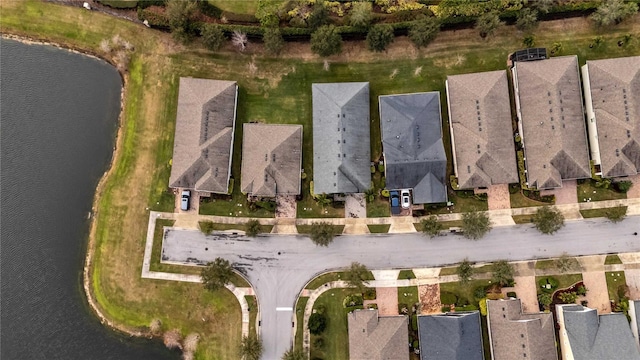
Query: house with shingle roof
x=341 y=138
x=551 y=122
x=271 y=160
x=414 y=156
x=377 y=338
x=203 y=141
x=612 y=97
x=585 y=335
x=515 y=335
x=481 y=131
x=634 y=314
x=451 y=336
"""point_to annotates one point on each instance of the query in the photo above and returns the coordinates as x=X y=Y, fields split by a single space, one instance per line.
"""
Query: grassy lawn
x=588 y=190
x=615 y=279
x=236 y=6
x=253 y=312
x=464 y=291
x=309 y=208
x=612 y=259
x=301 y=304
x=329 y=277
x=378 y=208
x=518 y=200
x=264 y=229
x=453 y=270
x=408 y=296
x=564 y=281
x=277 y=91
x=522 y=219
x=379 y=229
x=595 y=213
x=335 y=338
x=552 y=264
x=446 y=224
x=306 y=229
x=406 y=274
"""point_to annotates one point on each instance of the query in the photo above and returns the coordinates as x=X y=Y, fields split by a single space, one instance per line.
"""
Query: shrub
x=465 y=271
x=421 y=33
x=448 y=298
x=326 y=41
x=361 y=15
x=273 y=41
x=381 y=167
x=487 y=23
x=385 y=193
x=414 y=322
x=379 y=37
x=613 y=12
x=512 y=294
x=369 y=294
x=483 y=306
x=212 y=37
x=317 y=323
x=582 y=290
x=623 y=186
x=352 y=300
x=206 y=227
x=529 y=41
x=527 y=19
x=480 y=292
x=568 y=297
x=545 y=299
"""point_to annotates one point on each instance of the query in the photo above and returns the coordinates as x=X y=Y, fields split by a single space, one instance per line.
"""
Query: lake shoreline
x=87 y=267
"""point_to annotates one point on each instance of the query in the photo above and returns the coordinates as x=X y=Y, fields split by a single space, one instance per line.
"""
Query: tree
x=206 y=227
x=251 y=347
x=317 y=323
x=239 y=40
x=529 y=41
x=319 y=16
x=273 y=41
x=543 y=5
x=430 y=226
x=487 y=23
x=379 y=37
x=361 y=15
x=181 y=15
x=548 y=220
x=253 y=228
x=568 y=297
x=502 y=273
x=545 y=299
x=623 y=186
x=616 y=214
x=424 y=31
x=527 y=19
x=465 y=271
x=326 y=41
x=292 y=354
x=216 y=274
x=322 y=233
x=356 y=276
x=565 y=263
x=212 y=37
x=475 y=224
x=613 y=12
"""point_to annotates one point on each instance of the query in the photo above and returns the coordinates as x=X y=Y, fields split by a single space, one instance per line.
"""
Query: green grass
x=464 y=291
x=446 y=224
x=594 y=213
x=264 y=229
x=336 y=335
x=615 y=279
x=453 y=270
x=236 y=6
x=564 y=281
x=518 y=200
x=120 y=4
x=323 y=279
x=306 y=229
x=406 y=274
x=309 y=208
x=612 y=260
x=522 y=219
x=408 y=296
x=379 y=229
x=588 y=190
x=378 y=208
x=301 y=304
x=253 y=312
x=236 y=205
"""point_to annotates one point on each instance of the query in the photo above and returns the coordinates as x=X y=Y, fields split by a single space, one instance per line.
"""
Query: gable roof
x=414 y=154
x=480 y=115
x=374 y=338
x=513 y=334
x=203 y=141
x=550 y=109
x=451 y=336
x=271 y=159
x=595 y=337
x=615 y=96
x=341 y=138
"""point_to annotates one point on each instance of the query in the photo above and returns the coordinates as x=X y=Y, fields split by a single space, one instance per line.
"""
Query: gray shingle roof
x=374 y=338
x=514 y=334
x=341 y=138
x=203 y=140
x=414 y=154
x=480 y=115
x=271 y=159
x=552 y=118
x=615 y=95
x=593 y=337
x=451 y=336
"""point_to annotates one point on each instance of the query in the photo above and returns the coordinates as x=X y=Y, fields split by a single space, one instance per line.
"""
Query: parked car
x=394 y=197
x=184 y=200
x=406 y=200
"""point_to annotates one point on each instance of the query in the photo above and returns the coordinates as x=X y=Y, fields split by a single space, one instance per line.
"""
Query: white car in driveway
x=406 y=200
x=184 y=200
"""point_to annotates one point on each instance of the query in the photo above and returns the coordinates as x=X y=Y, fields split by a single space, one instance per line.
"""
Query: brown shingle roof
x=480 y=114
x=271 y=159
x=552 y=119
x=203 y=140
x=615 y=95
x=514 y=334
x=374 y=338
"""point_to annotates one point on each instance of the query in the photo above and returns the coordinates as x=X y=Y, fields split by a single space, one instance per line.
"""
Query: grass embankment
x=379 y=229
x=271 y=90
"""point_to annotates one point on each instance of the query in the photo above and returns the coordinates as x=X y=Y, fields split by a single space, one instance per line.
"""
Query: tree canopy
x=379 y=37
x=430 y=226
x=292 y=354
x=548 y=220
x=465 y=271
x=216 y=274
x=273 y=41
x=251 y=347
x=181 y=15
x=322 y=233
x=253 y=228
x=360 y=15
x=527 y=19
x=612 y=12
x=326 y=41
x=356 y=276
x=475 y=224
x=502 y=273
x=487 y=23
x=616 y=214
x=424 y=31
x=212 y=37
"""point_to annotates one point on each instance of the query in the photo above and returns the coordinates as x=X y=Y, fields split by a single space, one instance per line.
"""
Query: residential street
x=279 y=266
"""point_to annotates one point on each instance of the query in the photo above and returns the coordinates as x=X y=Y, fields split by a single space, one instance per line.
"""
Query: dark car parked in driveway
x=394 y=197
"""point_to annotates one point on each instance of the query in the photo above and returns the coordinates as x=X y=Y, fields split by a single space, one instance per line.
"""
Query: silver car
x=406 y=200
x=184 y=200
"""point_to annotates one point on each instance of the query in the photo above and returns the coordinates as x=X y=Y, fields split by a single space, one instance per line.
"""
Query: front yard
x=333 y=343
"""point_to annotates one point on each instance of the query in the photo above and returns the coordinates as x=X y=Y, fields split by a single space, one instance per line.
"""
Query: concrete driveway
x=279 y=266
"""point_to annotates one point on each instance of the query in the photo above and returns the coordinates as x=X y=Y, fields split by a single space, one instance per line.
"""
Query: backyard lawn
x=335 y=338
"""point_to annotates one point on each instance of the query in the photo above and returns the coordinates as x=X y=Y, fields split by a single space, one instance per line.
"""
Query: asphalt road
x=279 y=266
